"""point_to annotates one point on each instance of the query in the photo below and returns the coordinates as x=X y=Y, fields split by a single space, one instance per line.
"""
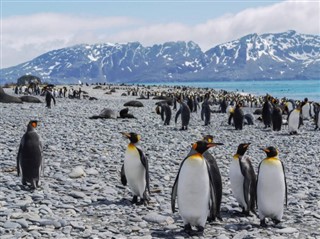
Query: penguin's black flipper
x=144 y=162
x=177 y=115
x=162 y=113
x=212 y=201
x=249 y=181
x=285 y=183
x=300 y=121
x=18 y=159
x=202 y=113
x=175 y=189
x=123 y=176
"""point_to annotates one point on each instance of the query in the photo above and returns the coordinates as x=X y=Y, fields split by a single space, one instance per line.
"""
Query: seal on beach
x=271 y=187
x=133 y=103
x=30 y=99
x=135 y=171
x=5 y=98
x=29 y=158
x=294 y=121
x=243 y=180
x=194 y=176
x=125 y=115
x=185 y=114
x=106 y=113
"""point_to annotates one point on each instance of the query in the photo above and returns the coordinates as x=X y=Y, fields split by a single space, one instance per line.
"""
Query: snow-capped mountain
x=287 y=55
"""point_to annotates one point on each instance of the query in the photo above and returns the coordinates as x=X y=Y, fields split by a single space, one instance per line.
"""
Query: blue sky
x=31 y=28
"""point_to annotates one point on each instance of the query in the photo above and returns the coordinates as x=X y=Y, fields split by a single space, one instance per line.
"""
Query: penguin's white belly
x=194 y=192
x=236 y=181
x=135 y=172
x=293 y=121
x=318 y=123
x=306 y=111
x=271 y=190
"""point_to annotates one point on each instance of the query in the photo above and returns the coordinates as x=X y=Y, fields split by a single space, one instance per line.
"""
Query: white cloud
x=25 y=37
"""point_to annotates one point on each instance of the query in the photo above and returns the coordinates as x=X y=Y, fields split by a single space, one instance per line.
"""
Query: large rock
x=5 y=98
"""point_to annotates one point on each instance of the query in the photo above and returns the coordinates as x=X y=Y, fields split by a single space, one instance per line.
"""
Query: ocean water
x=292 y=89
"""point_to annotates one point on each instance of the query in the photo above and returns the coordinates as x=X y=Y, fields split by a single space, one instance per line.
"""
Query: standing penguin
x=271 y=187
x=215 y=175
x=185 y=115
x=135 y=170
x=276 y=119
x=238 y=117
x=165 y=112
x=205 y=112
x=49 y=97
x=317 y=116
x=266 y=113
x=305 y=109
x=294 y=121
x=29 y=158
x=194 y=188
x=243 y=180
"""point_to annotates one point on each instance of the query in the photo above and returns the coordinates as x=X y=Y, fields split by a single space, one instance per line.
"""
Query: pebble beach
x=81 y=195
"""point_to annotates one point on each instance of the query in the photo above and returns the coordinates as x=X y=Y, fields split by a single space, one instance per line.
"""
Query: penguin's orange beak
x=266 y=150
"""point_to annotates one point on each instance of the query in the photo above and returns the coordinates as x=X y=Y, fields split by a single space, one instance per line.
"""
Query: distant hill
x=287 y=55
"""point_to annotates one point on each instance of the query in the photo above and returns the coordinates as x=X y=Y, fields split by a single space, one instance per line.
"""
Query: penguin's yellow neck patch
x=131 y=146
x=236 y=156
x=196 y=156
x=272 y=160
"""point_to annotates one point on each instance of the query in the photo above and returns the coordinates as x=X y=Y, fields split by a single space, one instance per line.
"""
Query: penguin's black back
x=238 y=117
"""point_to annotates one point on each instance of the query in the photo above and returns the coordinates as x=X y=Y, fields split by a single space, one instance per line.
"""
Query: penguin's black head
x=271 y=151
x=242 y=148
x=202 y=146
x=133 y=137
x=208 y=138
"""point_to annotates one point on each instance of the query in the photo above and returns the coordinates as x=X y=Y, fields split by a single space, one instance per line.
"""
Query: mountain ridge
x=269 y=56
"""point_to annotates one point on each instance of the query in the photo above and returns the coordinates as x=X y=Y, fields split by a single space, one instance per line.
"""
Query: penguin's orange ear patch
x=34 y=124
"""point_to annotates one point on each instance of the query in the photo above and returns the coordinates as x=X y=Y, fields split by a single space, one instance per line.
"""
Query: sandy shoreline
x=97 y=206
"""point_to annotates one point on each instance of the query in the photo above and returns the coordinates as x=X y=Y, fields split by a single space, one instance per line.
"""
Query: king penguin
x=135 y=170
x=29 y=158
x=276 y=118
x=271 y=187
x=238 y=117
x=215 y=175
x=243 y=180
x=194 y=188
x=184 y=110
x=294 y=121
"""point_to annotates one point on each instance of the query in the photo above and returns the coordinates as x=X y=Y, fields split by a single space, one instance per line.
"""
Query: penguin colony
x=199 y=200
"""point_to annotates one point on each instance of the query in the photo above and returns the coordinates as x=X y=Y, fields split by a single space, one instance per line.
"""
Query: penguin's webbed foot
x=276 y=221
x=187 y=228
x=263 y=223
x=134 y=199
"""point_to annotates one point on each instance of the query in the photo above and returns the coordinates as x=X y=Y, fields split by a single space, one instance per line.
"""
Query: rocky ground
x=81 y=195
